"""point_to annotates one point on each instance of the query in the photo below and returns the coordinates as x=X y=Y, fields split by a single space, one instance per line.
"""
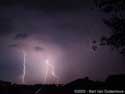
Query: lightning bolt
x=24 y=66
x=50 y=68
x=45 y=79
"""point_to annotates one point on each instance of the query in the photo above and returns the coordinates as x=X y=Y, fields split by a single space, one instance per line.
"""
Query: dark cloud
x=5 y=26
x=21 y=36
x=12 y=45
x=38 y=48
x=49 y=5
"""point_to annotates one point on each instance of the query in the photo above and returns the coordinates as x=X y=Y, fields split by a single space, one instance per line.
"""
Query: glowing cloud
x=50 y=69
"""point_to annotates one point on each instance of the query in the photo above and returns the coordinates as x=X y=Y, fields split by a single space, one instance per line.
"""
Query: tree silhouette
x=116 y=22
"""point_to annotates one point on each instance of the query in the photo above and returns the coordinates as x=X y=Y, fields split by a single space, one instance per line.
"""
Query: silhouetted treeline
x=115 y=21
x=113 y=82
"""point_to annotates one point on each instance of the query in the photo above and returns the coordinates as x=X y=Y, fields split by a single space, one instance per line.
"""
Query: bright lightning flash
x=24 y=66
x=50 y=68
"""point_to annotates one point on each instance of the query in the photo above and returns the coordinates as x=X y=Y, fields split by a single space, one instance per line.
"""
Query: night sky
x=60 y=31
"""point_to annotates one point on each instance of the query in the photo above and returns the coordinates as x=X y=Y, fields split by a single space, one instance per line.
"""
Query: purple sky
x=60 y=32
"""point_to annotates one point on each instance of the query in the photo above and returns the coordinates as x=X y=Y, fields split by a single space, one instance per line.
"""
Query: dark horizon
x=113 y=84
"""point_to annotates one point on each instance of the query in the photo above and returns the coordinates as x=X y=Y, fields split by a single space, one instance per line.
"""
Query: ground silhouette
x=113 y=82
